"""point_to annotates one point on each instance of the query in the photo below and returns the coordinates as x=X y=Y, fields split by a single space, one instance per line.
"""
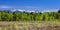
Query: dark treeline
x=47 y=16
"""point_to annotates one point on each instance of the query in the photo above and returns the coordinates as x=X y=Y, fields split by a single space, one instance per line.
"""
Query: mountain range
x=16 y=10
x=29 y=11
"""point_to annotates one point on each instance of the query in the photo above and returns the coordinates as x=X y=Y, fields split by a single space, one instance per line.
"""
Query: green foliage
x=47 y=16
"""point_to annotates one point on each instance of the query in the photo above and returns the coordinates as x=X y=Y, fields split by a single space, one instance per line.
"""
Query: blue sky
x=48 y=5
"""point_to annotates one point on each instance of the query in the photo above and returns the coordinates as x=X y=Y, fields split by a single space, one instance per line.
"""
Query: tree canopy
x=47 y=16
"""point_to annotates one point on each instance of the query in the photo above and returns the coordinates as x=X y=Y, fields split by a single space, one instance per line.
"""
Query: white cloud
x=3 y=6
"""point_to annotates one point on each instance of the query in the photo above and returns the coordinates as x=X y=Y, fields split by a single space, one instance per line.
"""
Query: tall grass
x=26 y=25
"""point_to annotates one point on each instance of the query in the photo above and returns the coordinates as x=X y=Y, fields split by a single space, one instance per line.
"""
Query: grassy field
x=34 y=25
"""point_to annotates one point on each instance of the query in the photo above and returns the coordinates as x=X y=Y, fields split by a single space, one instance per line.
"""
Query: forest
x=46 y=16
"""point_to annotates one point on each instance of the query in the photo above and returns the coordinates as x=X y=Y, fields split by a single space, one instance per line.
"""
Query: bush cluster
x=47 y=16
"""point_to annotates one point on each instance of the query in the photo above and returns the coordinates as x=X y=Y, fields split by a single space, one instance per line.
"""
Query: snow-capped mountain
x=16 y=10
x=19 y=10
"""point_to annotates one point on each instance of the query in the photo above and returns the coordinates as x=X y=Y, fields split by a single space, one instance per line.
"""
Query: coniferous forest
x=24 y=16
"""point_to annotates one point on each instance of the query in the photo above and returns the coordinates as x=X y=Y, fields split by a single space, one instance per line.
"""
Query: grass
x=27 y=25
